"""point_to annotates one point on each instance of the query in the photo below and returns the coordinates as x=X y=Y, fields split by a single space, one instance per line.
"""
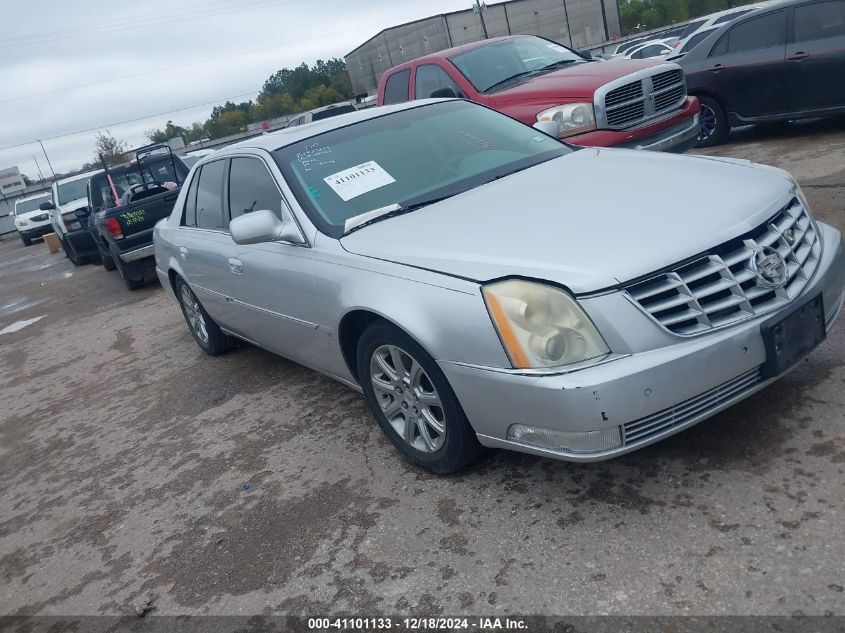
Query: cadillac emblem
x=769 y=266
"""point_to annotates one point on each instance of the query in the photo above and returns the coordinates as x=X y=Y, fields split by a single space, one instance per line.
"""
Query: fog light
x=566 y=441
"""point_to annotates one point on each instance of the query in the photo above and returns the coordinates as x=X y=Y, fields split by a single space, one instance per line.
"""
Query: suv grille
x=721 y=287
x=644 y=99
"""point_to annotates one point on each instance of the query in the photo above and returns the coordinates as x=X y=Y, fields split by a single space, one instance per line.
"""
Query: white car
x=31 y=221
x=649 y=50
x=715 y=19
x=322 y=113
x=194 y=157
x=688 y=43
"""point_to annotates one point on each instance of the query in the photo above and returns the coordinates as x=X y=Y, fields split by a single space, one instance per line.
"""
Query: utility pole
x=48 y=159
x=480 y=8
x=38 y=167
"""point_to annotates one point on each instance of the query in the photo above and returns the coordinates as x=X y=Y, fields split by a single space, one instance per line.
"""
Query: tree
x=112 y=150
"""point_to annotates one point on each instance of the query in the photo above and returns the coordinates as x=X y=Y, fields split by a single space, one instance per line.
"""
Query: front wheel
x=714 y=123
x=205 y=331
x=413 y=402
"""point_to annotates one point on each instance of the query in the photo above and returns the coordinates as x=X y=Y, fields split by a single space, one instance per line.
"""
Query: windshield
x=73 y=190
x=25 y=206
x=406 y=158
x=495 y=63
x=125 y=178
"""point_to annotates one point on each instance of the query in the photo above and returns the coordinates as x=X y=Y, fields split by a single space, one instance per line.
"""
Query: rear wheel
x=205 y=331
x=126 y=274
x=413 y=402
x=714 y=122
x=106 y=258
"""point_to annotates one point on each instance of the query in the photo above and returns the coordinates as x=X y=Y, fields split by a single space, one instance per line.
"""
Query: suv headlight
x=21 y=222
x=541 y=326
x=572 y=118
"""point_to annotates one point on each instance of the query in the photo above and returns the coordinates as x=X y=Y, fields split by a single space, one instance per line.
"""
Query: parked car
x=382 y=248
x=322 y=113
x=69 y=214
x=622 y=103
x=31 y=222
x=126 y=201
x=688 y=43
x=192 y=158
x=716 y=19
x=783 y=61
x=649 y=50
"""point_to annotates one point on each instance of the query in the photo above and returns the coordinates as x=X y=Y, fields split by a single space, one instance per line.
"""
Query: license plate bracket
x=788 y=338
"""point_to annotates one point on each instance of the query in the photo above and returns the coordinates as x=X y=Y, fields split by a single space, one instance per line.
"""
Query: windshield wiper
x=390 y=211
x=508 y=79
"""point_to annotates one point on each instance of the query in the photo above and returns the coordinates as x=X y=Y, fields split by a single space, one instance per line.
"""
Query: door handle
x=183 y=252
x=716 y=68
x=798 y=56
x=236 y=265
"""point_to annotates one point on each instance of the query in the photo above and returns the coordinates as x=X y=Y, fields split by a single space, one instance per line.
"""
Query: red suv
x=619 y=103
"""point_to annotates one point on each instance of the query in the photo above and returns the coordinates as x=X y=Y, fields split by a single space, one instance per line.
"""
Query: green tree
x=111 y=149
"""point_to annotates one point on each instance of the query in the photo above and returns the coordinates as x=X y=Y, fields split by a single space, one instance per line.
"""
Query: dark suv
x=783 y=61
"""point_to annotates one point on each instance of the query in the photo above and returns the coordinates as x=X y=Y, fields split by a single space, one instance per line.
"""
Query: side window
x=431 y=77
x=252 y=187
x=189 y=216
x=396 y=88
x=210 y=196
x=763 y=32
x=819 y=20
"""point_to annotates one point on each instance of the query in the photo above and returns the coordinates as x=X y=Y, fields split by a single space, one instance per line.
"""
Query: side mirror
x=46 y=206
x=443 y=93
x=262 y=226
x=549 y=128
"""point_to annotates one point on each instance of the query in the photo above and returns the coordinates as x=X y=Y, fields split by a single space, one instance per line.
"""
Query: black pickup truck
x=126 y=201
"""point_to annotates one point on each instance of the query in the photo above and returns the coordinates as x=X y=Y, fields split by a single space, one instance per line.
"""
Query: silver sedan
x=484 y=284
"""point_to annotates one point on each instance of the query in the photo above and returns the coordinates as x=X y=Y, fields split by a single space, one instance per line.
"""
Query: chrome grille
x=40 y=218
x=646 y=98
x=678 y=415
x=721 y=287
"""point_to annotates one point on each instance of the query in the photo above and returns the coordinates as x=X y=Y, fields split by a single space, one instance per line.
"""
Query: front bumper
x=676 y=133
x=31 y=233
x=648 y=394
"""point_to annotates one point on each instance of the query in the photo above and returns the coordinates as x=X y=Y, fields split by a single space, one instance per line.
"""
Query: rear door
x=747 y=66
x=205 y=245
x=815 y=56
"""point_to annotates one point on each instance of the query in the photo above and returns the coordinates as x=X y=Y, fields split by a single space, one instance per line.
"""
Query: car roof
x=34 y=196
x=291 y=135
x=85 y=175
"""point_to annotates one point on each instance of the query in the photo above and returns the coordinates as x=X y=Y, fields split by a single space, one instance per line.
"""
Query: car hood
x=31 y=214
x=589 y=220
x=578 y=81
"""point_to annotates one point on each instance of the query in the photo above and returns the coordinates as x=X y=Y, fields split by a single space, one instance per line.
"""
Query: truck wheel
x=205 y=331
x=26 y=241
x=714 y=122
x=106 y=258
x=71 y=254
x=131 y=284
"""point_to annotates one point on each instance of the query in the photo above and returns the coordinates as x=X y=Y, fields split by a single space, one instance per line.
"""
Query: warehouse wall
x=576 y=23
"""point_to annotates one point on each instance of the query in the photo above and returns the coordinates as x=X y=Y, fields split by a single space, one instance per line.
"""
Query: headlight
x=21 y=222
x=573 y=118
x=541 y=326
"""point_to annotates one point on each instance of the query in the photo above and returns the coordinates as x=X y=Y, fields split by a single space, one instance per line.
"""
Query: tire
x=106 y=258
x=26 y=241
x=131 y=284
x=713 y=118
x=415 y=406
x=209 y=337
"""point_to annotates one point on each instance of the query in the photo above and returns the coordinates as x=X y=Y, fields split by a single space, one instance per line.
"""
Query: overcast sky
x=69 y=66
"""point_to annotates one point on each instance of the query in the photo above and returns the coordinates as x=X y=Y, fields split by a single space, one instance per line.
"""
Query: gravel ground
x=135 y=468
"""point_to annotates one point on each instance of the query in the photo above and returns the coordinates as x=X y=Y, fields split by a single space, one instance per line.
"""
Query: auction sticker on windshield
x=356 y=181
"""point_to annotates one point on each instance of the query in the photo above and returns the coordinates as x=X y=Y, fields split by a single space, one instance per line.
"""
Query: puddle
x=19 y=325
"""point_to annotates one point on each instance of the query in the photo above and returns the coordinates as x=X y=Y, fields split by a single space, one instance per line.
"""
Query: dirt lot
x=125 y=455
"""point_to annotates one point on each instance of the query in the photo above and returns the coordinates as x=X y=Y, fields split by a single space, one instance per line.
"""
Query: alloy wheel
x=408 y=398
x=193 y=311
x=708 y=123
